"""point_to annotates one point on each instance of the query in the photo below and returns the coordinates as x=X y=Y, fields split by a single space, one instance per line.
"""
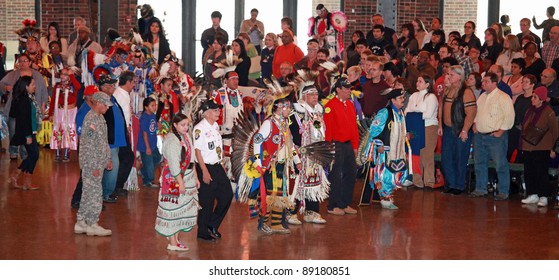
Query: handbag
x=396 y=166
x=533 y=134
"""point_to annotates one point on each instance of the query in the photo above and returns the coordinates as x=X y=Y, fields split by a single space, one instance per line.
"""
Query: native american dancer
x=63 y=112
x=264 y=161
x=183 y=84
x=386 y=148
x=328 y=29
x=307 y=127
x=231 y=99
x=142 y=67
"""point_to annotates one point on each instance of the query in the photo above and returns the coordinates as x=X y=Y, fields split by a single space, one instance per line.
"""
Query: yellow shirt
x=494 y=111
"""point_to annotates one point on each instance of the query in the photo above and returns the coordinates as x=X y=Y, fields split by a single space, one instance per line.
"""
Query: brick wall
x=331 y=5
x=127 y=16
x=457 y=12
x=12 y=13
x=360 y=12
x=64 y=12
x=408 y=10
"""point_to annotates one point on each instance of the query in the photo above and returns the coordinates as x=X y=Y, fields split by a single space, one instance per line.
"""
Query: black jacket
x=21 y=111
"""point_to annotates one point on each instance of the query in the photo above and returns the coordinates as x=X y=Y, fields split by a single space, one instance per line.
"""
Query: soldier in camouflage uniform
x=94 y=157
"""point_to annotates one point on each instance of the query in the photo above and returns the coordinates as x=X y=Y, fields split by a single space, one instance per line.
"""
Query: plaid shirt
x=550 y=52
x=466 y=63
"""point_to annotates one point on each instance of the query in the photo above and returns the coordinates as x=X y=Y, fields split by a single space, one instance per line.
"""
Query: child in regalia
x=167 y=101
x=62 y=113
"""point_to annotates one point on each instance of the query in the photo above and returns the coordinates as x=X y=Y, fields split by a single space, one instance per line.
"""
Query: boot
x=263 y=222
x=80 y=227
x=97 y=230
x=27 y=182
x=14 y=177
x=277 y=226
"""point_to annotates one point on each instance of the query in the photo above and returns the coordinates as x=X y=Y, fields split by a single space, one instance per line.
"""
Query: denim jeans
x=15 y=150
x=454 y=159
x=109 y=176
x=488 y=147
x=29 y=163
x=149 y=163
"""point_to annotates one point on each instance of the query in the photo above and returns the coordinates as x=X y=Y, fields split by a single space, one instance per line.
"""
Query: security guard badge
x=196 y=134
x=211 y=145
x=218 y=151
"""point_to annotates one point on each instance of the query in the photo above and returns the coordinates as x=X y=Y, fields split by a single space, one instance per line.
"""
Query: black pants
x=535 y=173
x=218 y=189
x=126 y=161
x=342 y=176
x=29 y=163
x=309 y=205
x=258 y=49
x=77 y=196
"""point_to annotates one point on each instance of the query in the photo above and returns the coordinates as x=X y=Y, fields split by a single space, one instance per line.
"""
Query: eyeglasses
x=312 y=50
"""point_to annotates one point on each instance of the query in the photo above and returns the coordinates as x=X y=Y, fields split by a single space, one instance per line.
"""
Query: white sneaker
x=387 y=204
x=80 y=227
x=542 y=202
x=293 y=220
x=531 y=199
x=313 y=217
x=97 y=230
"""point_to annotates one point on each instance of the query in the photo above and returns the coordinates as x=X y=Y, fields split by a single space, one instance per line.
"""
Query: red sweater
x=339 y=118
x=372 y=101
x=72 y=94
x=290 y=53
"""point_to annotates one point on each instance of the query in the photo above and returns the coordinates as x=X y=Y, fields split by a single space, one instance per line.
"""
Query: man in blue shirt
x=499 y=71
x=116 y=130
x=80 y=115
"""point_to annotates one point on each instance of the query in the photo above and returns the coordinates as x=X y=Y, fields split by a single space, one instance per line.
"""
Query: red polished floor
x=429 y=225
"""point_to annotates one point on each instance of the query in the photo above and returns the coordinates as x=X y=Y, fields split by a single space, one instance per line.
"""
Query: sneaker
x=313 y=217
x=349 y=210
x=387 y=204
x=542 y=202
x=120 y=192
x=57 y=159
x=179 y=247
x=80 y=227
x=265 y=228
x=293 y=220
x=531 y=199
x=337 y=211
x=280 y=230
x=66 y=159
x=478 y=194
x=97 y=230
x=407 y=183
x=109 y=199
x=501 y=196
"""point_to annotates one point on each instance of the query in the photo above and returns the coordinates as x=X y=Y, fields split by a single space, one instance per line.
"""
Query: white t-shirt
x=208 y=140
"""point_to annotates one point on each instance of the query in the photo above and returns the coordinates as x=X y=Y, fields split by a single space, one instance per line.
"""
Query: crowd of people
x=283 y=130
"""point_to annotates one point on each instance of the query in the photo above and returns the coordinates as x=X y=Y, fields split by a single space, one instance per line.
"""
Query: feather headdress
x=28 y=30
x=333 y=70
x=306 y=78
x=278 y=92
x=228 y=64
